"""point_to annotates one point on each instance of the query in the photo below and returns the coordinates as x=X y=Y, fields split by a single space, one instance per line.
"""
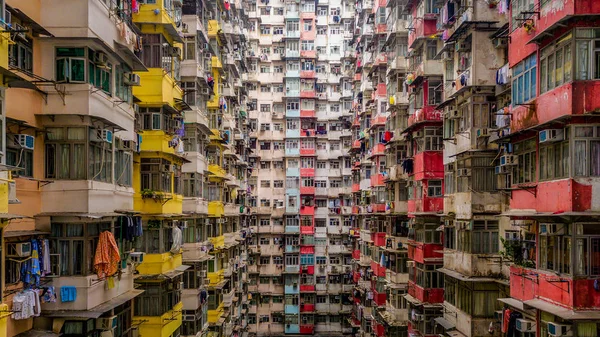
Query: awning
x=136 y=63
x=37 y=333
x=219 y=285
x=117 y=301
x=455 y=333
x=79 y=215
x=465 y=278
x=416 y=302
x=562 y=312
x=200 y=259
x=444 y=323
x=9 y=216
x=14 y=234
x=513 y=303
x=36 y=28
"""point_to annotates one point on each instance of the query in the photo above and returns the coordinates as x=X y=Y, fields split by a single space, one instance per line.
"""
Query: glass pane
x=78 y=70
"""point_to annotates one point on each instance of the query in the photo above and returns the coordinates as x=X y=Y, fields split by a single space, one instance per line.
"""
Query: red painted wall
x=527 y=284
x=420 y=251
x=428 y=165
x=425 y=295
x=574 y=197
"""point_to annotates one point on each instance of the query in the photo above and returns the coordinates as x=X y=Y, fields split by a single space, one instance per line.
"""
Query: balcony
x=291 y=73
x=307 y=190
x=85 y=196
x=307 y=74
x=292 y=329
x=159 y=16
x=421 y=29
x=308 y=94
x=378 y=270
x=311 y=54
x=307 y=152
x=292 y=153
x=421 y=252
x=157 y=88
x=155 y=264
x=428 y=165
x=292 y=113
x=307 y=329
x=292 y=230
x=307 y=229
x=307 y=210
x=291 y=309
x=377 y=180
x=429 y=295
x=292 y=34
x=576 y=195
x=308 y=114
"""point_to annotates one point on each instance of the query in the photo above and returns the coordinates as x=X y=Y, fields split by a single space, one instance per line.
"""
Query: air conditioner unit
x=502 y=169
x=100 y=58
x=462 y=47
x=483 y=132
x=201 y=273
x=101 y=135
x=127 y=145
x=205 y=91
x=559 y=330
x=419 y=317
x=410 y=264
x=500 y=43
x=552 y=228
x=106 y=323
x=137 y=257
x=20 y=31
x=465 y=172
x=131 y=79
x=551 y=135
x=499 y=316
x=525 y=325
x=447 y=55
x=25 y=141
x=184 y=224
x=21 y=249
x=508 y=160
x=189 y=318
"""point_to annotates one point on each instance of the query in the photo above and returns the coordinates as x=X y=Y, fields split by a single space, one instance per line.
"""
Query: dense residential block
x=389 y=168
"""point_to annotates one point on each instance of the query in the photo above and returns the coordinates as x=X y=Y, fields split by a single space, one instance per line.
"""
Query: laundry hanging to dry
x=107 y=259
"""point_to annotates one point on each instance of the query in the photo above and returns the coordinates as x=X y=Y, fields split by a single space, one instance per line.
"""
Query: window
x=334 y=50
x=587 y=250
x=265 y=69
x=156 y=174
x=20 y=157
x=555 y=249
x=307 y=45
x=554 y=160
x=21 y=54
x=524 y=80
x=265 y=183
x=278 y=30
x=434 y=188
x=66 y=153
x=586 y=151
x=307 y=25
x=556 y=64
x=71 y=65
x=485 y=237
x=75 y=244
x=123 y=166
x=189 y=48
x=524 y=171
x=265 y=30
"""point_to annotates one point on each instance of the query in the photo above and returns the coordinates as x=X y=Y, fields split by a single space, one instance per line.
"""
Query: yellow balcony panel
x=161 y=203
x=156 y=264
x=218 y=242
x=213 y=28
x=213 y=103
x=216 y=62
x=157 y=16
x=157 y=88
x=217 y=171
x=216 y=209
x=161 y=326
x=156 y=140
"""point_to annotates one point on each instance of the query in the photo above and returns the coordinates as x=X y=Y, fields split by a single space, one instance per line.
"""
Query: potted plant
x=147 y=193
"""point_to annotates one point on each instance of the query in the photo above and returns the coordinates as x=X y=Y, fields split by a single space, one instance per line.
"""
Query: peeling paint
x=552 y=7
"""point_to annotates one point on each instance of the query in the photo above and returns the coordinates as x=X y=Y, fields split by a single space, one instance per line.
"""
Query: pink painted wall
x=574 y=197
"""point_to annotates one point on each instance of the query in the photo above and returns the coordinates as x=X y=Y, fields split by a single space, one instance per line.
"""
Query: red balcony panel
x=356 y=254
x=377 y=180
x=307 y=74
x=308 y=190
x=527 y=284
x=307 y=152
x=379 y=298
x=378 y=329
x=428 y=165
x=422 y=28
x=310 y=270
x=304 y=133
x=307 y=329
x=355 y=188
x=378 y=270
x=429 y=295
x=426 y=114
x=307 y=210
x=356 y=209
x=311 y=54
x=355 y=276
x=307 y=172
x=378 y=150
x=307 y=15
x=307 y=307
x=418 y=251
x=308 y=94
x=576 y=195
x=378 y=239
x=553 y=12
x=574 y=98
x=308 y=114
x=306 y=249
x=378 y=208
x=426 y=205
x=307 y=230
x=307 y=287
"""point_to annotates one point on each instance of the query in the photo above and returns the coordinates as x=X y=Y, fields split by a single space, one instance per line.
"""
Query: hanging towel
x=49 y=296
x=107 y=258
x=177 y=240
x=68 y=294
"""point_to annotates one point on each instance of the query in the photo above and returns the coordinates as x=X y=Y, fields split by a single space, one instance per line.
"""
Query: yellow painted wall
x=157 y=88
x=163 y=326
x=147 y=14
x=155 y=264
x=171 y=204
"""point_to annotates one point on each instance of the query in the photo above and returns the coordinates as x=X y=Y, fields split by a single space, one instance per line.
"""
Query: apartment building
x=550 y=141
x=299 y=101
x=129 y=119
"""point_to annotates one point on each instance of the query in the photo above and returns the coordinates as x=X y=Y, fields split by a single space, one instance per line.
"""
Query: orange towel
x=107 y=258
